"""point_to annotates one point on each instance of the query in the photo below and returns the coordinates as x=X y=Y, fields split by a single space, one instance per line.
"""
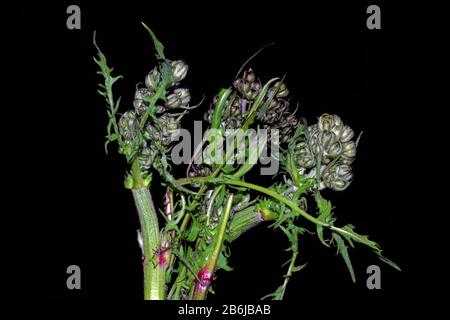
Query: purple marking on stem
x=163 y=257
x=205 y=280
x=260 y=216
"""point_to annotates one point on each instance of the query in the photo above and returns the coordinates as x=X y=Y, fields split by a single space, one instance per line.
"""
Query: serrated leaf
x=324 y=207
x=342 y=250
x=158 y=45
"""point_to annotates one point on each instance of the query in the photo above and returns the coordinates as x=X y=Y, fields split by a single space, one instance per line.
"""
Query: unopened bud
x=179 y=70
x=153 y=79
x=180 y=98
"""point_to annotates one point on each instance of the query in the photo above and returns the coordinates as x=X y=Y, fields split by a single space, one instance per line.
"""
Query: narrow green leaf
x=218 y=108
x=342 y=249
x=158 y=45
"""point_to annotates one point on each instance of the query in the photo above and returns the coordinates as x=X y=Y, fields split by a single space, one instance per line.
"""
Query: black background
x=65 y=203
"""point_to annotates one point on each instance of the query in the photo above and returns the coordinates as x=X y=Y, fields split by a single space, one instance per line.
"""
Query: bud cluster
x=162 y=128
x=246 y=89
x=328 y=145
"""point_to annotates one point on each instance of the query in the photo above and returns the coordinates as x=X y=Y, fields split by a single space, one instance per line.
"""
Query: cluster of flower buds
x=278 y=115
x=162 y=129
x=178 y=98
x=248 y=86
x=246 y=89
x=331 y=143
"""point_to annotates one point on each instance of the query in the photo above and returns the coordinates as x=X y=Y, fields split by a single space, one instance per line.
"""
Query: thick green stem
x=154 y=272
x=247 y=219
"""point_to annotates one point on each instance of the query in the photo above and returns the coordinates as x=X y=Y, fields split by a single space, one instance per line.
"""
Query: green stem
x=292 y=268
x=207 y=272
x=258 y=188
x=247 y=219
x=154 y=274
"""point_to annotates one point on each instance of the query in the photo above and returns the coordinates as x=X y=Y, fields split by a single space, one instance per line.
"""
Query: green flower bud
x=179 y=70
x=346 y=160
x=334 y=150
x=280 y=89
x=330 y=122
x=338 y=177
x=128 y=182
x=326 y=139
x=347 y=134
x=349 y=149
x=180 y=98
x=326 y=122
x=304 y=156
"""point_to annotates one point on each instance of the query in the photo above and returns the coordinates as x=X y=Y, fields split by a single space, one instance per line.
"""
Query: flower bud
x=280 y=89
x=168 y=127
x=128 y=125
x=236 y=107
x=180 y=98
x=249 y=86
x=153 y=79
x=151 y=133
x=139 y=104
x=338 y=177
x=326 y=139
x=287 y=128
x=249 y=76
x=146 y=158
x=347 y=134
x=276 y=110
x=334 y=150
x=179 y=70
x=326 y=122
x=349 y=149
x=234 y=123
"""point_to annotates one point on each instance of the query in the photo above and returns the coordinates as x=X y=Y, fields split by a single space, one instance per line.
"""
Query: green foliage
x=200 y=225
x=106 y=91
